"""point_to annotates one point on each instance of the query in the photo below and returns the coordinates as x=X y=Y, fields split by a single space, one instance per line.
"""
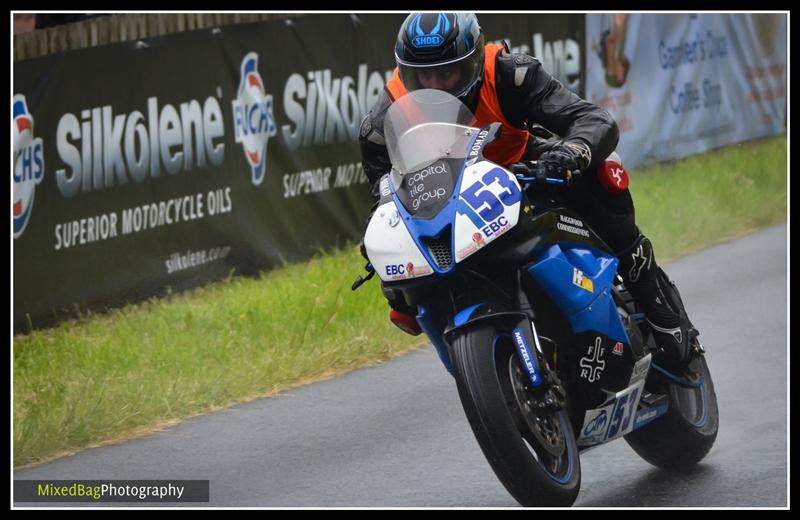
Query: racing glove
x=563 y=160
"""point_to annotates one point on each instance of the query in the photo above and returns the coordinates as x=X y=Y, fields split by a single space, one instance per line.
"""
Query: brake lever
x=359 y=280
x=528 y=173
x=540 y=176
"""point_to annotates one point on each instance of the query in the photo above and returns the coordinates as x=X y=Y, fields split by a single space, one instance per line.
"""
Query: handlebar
x=527 y=172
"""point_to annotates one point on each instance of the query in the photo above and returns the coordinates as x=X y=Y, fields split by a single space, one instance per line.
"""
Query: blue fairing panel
x=579 y=280
x=434 y=333
x=464 y=315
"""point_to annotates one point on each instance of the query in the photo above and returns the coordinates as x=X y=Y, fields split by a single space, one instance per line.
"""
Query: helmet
x=443 y=51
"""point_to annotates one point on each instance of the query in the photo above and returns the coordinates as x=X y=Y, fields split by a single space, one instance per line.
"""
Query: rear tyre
x=685 y=434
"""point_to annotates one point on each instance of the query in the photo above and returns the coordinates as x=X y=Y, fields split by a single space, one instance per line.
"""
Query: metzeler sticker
x=527 y=357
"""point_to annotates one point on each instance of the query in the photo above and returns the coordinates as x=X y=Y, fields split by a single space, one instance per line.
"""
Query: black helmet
x=442 y=51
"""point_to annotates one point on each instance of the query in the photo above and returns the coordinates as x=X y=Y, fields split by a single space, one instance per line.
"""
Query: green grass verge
x=687 y=205
x=107 y=376
x=112 y=376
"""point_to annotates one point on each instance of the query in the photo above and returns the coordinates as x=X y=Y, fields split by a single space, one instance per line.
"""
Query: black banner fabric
x=173 y=161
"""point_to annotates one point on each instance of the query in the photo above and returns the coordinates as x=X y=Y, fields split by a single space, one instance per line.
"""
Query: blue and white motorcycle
x=522 y=301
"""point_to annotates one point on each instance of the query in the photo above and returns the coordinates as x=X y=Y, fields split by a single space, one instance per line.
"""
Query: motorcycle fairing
x=614 y=419
x=579 y=279
x=488 y=206
x=392 y=250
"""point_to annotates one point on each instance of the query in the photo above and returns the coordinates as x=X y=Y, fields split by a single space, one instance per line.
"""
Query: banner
x=165 y=163
x=681 y=84
x=556 y=40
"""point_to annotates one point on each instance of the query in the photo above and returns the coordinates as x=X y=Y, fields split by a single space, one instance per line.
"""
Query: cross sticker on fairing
x=591 y=365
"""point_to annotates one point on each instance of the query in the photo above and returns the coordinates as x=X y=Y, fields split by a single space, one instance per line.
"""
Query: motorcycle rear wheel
x=685 y=434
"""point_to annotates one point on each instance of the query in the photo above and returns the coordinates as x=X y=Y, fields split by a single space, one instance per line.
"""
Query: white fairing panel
x=489 y=206
x=390 y=248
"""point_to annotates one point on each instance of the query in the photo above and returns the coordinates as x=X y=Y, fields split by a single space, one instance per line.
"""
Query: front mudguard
x=442 y=339
x=517 y=324
x=481 y=312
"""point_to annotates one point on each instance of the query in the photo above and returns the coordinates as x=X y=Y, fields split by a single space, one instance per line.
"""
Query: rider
x=446 y=51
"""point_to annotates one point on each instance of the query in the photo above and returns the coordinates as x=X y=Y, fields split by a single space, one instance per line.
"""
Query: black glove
x=563 y=160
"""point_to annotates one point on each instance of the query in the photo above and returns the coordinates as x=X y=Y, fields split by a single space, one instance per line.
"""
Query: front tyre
x=532 y=450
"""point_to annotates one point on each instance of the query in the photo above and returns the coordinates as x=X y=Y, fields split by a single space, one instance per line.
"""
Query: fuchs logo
x=253 y=121
x=28 y=163
x=419 y=38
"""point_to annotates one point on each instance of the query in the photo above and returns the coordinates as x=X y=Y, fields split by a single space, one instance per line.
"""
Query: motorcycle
x=522 y=301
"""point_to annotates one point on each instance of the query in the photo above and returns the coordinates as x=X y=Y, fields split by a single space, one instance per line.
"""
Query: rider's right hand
x=557 y=164
x=528 y=169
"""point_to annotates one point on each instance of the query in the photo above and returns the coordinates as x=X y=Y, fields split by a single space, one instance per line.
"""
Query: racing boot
x=658 y=297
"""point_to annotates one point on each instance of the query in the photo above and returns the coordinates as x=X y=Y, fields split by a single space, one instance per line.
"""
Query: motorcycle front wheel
x=531 y=449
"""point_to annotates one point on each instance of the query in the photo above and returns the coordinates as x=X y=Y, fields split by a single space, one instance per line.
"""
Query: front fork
x=545 y=385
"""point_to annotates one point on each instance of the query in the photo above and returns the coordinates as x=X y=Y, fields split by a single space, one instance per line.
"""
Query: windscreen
x=424 y=126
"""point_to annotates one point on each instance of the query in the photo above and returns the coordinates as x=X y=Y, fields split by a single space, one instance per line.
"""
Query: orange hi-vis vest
x=510 y=146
